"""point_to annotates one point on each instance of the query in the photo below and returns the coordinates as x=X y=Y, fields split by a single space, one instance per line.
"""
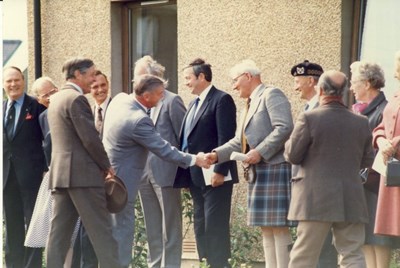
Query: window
x=150 y=29
x=378 y=37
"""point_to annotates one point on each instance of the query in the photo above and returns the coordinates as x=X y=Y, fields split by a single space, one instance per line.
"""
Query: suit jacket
x=25 y=151
x=46 y=144
x=214 y=124
x=331 y=144
x=267 y=127
x=128 y=136
x=78 y=156
x=168 y=116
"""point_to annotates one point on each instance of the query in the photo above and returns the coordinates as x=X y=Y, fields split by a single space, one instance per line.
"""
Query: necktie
x=306 y=107
x=244 y=139
x=10 y=121
x=188 y=124
x=99 y=121
x=148 y=111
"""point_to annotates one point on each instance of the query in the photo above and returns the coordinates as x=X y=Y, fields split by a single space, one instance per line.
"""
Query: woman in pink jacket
x=387 y=139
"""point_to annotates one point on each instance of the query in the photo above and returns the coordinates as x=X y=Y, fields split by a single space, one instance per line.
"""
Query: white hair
x=246 y=66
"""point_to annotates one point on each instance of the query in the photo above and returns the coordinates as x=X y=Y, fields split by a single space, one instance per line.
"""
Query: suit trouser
x=124 y=228
x=163 y=219
x=18 y=208
x=90 y=204
x=347 y=238
x=212 y=207
x=329 y=256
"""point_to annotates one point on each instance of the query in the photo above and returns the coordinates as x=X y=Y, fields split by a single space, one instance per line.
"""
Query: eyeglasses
x=48 y=94
x=234 y=81
x=355 y=81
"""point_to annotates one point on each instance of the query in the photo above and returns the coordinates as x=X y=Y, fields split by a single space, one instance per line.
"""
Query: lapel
x=25 y=112
x=374 y=103
x=203 y=108
x=4 y=112
x=157 y=110
x=254 y=105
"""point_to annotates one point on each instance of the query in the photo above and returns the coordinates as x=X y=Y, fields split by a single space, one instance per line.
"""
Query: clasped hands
x=253 y=157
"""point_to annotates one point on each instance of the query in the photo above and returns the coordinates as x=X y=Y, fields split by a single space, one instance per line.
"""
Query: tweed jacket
x=267 y=127
x=331 y=144
x=78 y=156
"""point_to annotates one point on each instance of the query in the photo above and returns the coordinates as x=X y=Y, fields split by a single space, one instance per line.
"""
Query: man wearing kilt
x=265 y=125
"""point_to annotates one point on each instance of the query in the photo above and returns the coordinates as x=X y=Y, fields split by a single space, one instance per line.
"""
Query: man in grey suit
x=161 y=202
x=129 y=134
x=331 y=144
x=306 y=75
x=78 y=168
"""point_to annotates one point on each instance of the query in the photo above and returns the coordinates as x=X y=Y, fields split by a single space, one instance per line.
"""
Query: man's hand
x=109 y=173
x=212 y=157
x=217 y=179
x=201 y=161
x=253 y=157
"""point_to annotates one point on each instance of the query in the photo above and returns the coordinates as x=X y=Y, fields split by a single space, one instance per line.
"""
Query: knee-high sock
x=282 y=242
x=269 y=249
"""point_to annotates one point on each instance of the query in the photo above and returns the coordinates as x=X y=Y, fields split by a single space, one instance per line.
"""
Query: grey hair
x=151 y=66
x=246 y=66
x=370 y=72
x=72 y=65
x=148 y=83
x=39 y=83
x=330 y=87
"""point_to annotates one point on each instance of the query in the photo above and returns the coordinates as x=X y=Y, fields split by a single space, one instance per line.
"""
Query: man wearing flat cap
x=306 y=75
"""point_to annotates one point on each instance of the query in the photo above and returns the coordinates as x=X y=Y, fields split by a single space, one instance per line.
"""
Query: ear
x=77 y=74
x=201 y=77
x=367 y=85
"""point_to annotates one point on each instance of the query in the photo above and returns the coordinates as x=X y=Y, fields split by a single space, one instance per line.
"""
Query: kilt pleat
x=269 y=196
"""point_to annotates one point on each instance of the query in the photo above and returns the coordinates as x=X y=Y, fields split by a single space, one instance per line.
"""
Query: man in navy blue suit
x=209 y=122
x=23 y=167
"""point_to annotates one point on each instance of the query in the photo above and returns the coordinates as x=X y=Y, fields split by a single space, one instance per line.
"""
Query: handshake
x=205 y=160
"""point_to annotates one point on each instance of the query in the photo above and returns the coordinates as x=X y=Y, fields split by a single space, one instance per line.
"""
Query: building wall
x=276 y=34
x=69 y=29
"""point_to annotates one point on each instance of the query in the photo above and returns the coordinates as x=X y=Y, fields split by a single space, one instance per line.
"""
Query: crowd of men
x=156 y=146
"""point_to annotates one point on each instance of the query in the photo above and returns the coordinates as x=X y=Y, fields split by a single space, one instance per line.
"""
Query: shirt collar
x=255 y=92
x=103 y=105
x=75 y=86
x=18 y=101
x=203 y=94
x=313 y=101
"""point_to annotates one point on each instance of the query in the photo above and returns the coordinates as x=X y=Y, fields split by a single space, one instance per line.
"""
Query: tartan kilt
x=269 y=196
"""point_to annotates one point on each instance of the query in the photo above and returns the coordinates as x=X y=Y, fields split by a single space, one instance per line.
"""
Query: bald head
x=333 y=83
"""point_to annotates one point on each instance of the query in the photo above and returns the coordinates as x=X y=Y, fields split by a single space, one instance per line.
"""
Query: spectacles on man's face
x=48 y=94
x=235 y=80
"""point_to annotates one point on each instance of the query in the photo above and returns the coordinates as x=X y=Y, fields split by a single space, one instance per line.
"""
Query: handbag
x=392 y=173
x=249 y=172
x=370 y=179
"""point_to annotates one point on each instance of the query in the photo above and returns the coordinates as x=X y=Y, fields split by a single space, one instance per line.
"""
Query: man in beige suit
x=79 y=165
x=331 y=144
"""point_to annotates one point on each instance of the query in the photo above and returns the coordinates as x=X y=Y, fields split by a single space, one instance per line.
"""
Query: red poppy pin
x=28 y=116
